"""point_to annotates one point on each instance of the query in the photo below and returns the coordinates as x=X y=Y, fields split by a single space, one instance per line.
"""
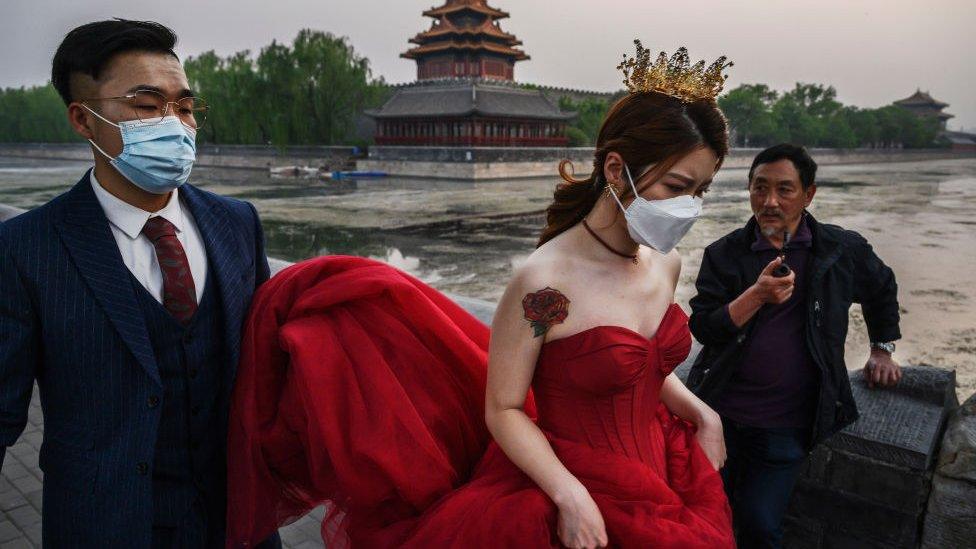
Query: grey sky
x=872 y=51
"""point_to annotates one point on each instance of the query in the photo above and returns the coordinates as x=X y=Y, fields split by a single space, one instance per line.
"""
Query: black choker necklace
x=632 y=257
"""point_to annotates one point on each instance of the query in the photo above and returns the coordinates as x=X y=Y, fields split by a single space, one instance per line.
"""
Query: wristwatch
x=888 y=347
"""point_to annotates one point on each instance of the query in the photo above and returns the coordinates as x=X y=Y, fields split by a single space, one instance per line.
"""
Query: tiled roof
x=920 y=98
x=469 y=98
x=445 y=27
x=453 y=6
x=479 y=46
x=960 y=138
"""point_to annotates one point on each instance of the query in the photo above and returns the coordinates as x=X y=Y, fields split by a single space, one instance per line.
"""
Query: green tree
x=864 y=124
x=836 y=132
x=583 y=131
x=577 y=137
x=33 y=115
x=307 y=93
x=816 y=99
x=811 y=115
x=898 y=127
x=748 y=110
x=795 y=123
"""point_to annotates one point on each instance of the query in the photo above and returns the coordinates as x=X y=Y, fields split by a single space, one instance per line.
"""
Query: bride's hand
x=580 y=522
x=712 y=440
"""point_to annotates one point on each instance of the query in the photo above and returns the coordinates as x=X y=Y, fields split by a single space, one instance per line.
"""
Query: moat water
x=467 y=237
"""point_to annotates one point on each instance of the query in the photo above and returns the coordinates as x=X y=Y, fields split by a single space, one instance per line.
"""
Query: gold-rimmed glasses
x=151 y=106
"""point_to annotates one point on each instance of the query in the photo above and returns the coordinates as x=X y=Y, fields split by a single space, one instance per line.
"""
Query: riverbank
x=449 y=163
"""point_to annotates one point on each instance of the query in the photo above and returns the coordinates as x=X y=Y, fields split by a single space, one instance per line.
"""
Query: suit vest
x=189 y=458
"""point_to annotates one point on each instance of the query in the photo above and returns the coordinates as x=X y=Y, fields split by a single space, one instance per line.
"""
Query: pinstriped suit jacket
x=69 y=319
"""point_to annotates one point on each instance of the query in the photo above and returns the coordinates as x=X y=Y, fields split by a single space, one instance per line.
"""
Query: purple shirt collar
x=803 y=237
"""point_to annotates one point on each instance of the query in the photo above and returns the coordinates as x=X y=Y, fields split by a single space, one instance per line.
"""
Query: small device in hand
x=783 y=269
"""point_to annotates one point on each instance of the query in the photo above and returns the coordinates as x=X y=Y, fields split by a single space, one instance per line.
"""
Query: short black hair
x=89 y=48
x=796 y=154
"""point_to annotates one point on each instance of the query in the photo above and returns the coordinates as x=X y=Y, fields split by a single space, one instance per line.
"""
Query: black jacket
x=843 y=270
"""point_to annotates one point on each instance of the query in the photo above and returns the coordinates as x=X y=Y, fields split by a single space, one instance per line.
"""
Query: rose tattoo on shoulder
x=545 y=308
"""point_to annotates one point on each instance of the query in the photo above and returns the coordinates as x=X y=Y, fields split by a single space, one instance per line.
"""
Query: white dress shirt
x=138 y=253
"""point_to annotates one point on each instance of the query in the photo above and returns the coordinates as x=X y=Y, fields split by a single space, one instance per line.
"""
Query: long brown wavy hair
x=643 y=128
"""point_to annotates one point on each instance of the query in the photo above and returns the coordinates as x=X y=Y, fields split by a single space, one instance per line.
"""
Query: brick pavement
x=20 y=495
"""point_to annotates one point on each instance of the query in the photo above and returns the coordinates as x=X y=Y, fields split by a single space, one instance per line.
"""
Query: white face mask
x=660 y=224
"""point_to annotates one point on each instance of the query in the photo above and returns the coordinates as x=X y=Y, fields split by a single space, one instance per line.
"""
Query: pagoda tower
x=923 y=105
x=465 y=40
x=465 y=94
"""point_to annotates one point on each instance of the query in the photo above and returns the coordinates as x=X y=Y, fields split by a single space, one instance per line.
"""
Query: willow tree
x=308 y=92
x=33 y=115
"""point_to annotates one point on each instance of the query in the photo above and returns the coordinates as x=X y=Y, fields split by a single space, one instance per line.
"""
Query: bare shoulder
x=548 y=265
x=539 y=287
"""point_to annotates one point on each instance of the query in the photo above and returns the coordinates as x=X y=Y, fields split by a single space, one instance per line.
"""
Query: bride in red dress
x=363 y=389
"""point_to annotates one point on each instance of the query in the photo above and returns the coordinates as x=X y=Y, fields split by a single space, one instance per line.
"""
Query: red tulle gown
x=363 y=389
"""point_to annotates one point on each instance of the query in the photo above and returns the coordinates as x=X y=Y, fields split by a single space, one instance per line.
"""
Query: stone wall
x=868 y=486
x=509 y=162
x=951 y=517
x=460 y=163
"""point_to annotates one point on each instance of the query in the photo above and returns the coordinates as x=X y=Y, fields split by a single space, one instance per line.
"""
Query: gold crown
x=675 y=76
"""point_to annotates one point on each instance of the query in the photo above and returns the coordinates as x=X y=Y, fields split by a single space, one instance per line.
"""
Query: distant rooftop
x=921 y=98
x=960 y=138
x=456 y=6
x=923 y=104
x=465 y=27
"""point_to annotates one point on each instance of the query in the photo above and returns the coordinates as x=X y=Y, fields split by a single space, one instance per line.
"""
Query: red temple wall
x=460 y=66
x=472 y=132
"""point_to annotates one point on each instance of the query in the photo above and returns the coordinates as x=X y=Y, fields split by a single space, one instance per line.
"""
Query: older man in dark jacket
x=771 y=311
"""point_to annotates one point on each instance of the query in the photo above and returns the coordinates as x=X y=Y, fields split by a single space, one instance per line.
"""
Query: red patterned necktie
x=179 y=293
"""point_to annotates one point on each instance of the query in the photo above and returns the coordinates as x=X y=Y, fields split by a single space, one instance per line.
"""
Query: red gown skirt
x=362 y=389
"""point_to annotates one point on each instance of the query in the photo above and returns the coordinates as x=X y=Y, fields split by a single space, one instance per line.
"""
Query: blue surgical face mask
x=157 y=155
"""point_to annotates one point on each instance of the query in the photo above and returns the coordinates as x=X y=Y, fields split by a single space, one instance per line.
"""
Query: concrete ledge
x=467 y=171
x=869 y=485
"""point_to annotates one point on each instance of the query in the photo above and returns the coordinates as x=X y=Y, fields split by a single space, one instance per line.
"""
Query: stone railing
x=902 y=476
x=869 y=485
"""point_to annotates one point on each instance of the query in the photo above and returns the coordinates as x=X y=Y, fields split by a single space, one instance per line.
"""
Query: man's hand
x=772 y=289
x=881 y=370
x=767 y=289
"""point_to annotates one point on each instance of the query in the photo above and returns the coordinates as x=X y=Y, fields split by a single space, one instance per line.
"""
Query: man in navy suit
x=124 y=299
